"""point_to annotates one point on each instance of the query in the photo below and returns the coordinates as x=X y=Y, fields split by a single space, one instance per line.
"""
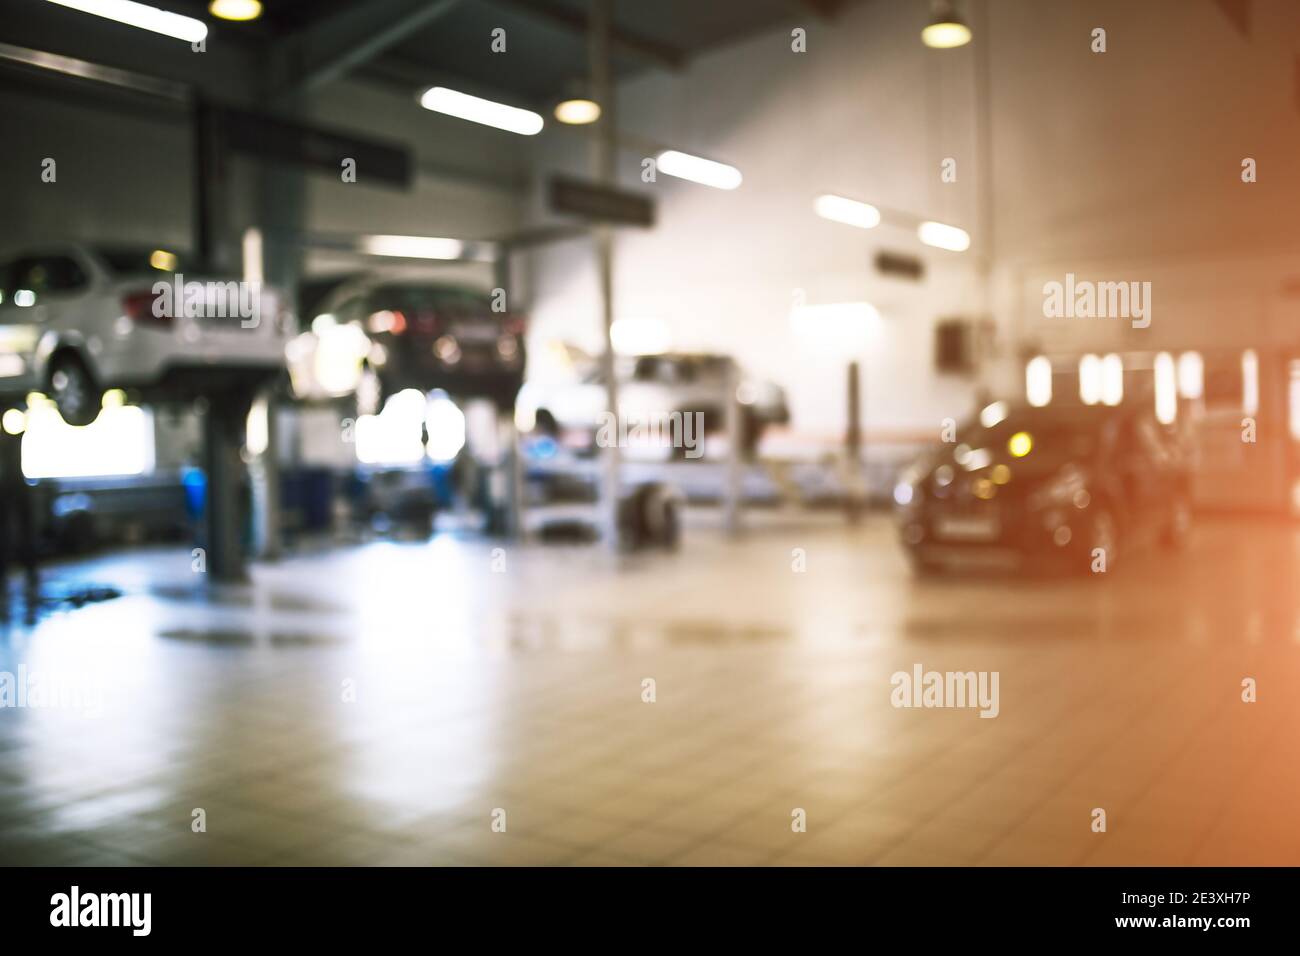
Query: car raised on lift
x=79 y=319
x=375 y=336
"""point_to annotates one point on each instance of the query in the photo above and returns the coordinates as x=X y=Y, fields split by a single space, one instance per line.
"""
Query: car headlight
x=447 y=349
x=906 y=488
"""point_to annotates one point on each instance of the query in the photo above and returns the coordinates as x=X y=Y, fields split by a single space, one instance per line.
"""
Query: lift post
x=17 y=522
x=226 y=501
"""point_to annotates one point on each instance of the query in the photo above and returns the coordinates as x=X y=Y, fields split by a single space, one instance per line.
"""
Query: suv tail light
x=138 y=307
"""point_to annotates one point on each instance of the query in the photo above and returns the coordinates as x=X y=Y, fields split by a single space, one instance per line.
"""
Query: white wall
x=1122 y=165
x=1127 y=166
x=860 y=114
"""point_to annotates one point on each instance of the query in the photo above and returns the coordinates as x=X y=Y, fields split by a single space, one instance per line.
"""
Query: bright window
x=1166 y=377
x=1249 y=382
x=119 y=442
x=1090 y=379
x=1112 y=379
x=1038 y=381
x=1191 y=375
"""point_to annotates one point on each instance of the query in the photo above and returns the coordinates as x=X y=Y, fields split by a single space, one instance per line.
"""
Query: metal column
x=603 y=152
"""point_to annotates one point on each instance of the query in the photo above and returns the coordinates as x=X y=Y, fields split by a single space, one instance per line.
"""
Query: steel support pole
x=853 y=449
x=603 y=151
x=734 y=424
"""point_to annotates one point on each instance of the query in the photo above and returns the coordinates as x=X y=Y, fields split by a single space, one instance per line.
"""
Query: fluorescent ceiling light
x=946 y=35
x=1166 y=388
x=991 y=414
x=143 y=16
x=943 y=236
x=1112 y=379
x=1090 y=376
x=1191 y=375
x=697 y=169
x=478 y=110
x=1249 y=382
x=412 y=247
x=577 y=112
x=848 y=211
x=946 y=30
x=1038 y=381
x=239 y=10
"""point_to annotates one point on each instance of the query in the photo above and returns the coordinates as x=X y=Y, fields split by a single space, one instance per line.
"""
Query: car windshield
x=422 y=299
x=139 y=261
x=1038 y=440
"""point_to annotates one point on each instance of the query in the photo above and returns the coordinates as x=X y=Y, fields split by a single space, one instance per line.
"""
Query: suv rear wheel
x=73 y=390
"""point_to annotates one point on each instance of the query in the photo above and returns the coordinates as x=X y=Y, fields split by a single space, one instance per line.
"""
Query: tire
x=73 y=389
x=662 y=518
x=650 y=517
x=672 y=530
x=544 y=423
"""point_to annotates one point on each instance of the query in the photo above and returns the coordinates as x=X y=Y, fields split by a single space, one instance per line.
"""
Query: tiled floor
x=384 y=704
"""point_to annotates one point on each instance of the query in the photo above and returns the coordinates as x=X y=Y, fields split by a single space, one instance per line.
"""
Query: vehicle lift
x=17 y=520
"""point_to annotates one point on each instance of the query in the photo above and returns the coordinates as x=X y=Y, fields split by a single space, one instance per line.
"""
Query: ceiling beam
x=332 y=48
x=629 y=44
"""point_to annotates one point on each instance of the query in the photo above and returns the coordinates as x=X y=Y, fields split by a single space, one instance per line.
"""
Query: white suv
x=76 y=320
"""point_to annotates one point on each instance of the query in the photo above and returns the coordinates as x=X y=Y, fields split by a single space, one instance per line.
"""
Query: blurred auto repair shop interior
x=499 y=355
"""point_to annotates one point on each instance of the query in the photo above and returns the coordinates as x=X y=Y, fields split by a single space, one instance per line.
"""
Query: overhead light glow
x=577 y=112
x=1020 y=444
x=836 y=328
x=119 y=442
x=990 y=415
x=478 y=110
x=1038 y=381
x=1191 y=375
x=412 y=247
x=445 y=423
x=238 y=10
x=1249 y=382
x=943 y=236
x=162 y=260
x=697 y=169
x=945 y=36
x=14 y=421
x=946 y=30
x=1112 y=379
x=254 y=270
x=393 y=436
x=143 y=16
x=1166 y=382
x=848 y=211
x=1090 y=379
x=640 y=336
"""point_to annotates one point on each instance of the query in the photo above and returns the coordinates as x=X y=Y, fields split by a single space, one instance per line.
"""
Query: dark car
x=1075 y=486
x=431 y=335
